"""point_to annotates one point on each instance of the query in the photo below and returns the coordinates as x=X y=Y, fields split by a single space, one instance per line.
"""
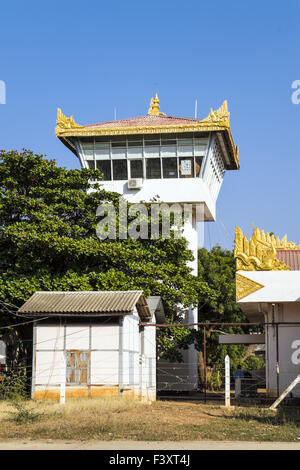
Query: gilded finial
x=154 y=107
x=64 y=122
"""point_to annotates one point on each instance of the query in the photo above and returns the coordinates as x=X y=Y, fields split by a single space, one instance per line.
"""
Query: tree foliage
x=48 y=240
x=217 y=269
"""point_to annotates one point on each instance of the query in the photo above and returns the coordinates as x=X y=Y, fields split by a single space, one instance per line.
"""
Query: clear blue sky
x=90 y=57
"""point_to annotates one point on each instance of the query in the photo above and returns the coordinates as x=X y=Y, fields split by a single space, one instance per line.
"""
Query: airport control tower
x=183 y=160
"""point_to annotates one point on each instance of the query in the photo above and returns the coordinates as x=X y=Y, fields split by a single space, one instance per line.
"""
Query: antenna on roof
x=115 y=114
x=196 y=105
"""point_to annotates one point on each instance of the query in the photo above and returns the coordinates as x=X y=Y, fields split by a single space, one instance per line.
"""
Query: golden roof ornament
x=220 y=115
x=154 y=107
x=259 y=252
x=63 y=122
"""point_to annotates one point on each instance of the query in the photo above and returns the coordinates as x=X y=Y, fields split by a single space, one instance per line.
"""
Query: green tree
x=48 y=241
x=217 y=269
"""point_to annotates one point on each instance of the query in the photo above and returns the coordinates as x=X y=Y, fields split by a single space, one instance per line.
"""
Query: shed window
x=78 y=367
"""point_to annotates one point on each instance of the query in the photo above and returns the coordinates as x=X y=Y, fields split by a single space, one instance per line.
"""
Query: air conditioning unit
x=135 y=183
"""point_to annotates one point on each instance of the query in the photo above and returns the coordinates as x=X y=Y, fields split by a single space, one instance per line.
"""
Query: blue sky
x=91 y=57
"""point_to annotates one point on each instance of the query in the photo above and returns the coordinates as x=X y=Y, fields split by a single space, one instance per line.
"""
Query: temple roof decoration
x=259 y=253
x=154 y=107
x=64 y=122
x=246 y=286
x=155 y=122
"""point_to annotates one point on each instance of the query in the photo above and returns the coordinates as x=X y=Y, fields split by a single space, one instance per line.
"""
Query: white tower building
x=181 y=160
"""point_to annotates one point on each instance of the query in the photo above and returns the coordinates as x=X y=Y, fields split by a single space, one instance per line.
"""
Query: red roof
x=290 y=258
x=145 y=121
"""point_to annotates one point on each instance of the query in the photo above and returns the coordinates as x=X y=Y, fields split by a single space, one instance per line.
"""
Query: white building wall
x=288 y=349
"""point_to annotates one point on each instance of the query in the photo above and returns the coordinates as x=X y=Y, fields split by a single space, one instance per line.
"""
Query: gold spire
x=154 y=107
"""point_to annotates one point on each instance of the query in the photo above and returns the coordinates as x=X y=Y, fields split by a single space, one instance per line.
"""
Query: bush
x=23 y=414
x=13 y=386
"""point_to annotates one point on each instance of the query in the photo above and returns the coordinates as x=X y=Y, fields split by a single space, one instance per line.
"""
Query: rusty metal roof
x=290 y=257
x=90 y=303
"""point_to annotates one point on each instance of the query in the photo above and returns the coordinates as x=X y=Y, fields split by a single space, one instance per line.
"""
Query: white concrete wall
x=179 y=190
x=288 y=347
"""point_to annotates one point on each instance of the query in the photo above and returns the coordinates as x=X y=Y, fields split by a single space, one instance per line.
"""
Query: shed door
x=78 y=367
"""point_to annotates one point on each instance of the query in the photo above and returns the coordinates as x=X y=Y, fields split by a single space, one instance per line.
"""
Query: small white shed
x=93 y=342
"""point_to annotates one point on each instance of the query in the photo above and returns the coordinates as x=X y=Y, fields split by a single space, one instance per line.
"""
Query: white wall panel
x=104 y=368
x=48 y=367
x=105 y=336
x=77 y=337
x=49 y=336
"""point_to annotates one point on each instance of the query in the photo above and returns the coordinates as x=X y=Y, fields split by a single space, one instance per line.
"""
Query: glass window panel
x=120 y=170
x=153 y=170
x=185 y=150
x=170 y=167
x=136 y=168
x=151 y=143
x=105 y=167
x=198 y=165
x=200 y=150
x=102 y=154
x=87 y=145
x=168 y=151
x=152 y=152
x=118 y=144
x=135 y=152
x=91 y=164
x=89 y=154
x=102 y=145
x=185 y=141
x=201 y=141
x=118 y=153
x=186 y=167
x=168 y=142
x=137 y=143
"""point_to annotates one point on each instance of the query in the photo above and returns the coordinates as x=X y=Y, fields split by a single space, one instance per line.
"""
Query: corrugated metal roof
x=290 y=257
x=91 y=302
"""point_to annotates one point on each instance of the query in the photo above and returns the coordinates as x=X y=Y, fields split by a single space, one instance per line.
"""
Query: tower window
x=105 y=167
x=153 y=169
x=136 y=168
x=169 y=167
x=120 y=170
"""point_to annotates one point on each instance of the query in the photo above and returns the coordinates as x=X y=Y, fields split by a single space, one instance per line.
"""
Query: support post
x=204 y=360
x=62 y=397
x=227 y=381
x=284 y=394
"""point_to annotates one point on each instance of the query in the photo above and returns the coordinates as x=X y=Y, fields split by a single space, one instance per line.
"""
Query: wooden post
x=62 y=397
x=227 y=381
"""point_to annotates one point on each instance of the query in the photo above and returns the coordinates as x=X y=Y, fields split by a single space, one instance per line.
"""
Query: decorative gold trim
x=245 y=286
x=221 y=115
x=63 y=123
x=259 y=253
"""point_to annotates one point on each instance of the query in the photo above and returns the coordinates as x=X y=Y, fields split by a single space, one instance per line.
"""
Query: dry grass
x=114 y=418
